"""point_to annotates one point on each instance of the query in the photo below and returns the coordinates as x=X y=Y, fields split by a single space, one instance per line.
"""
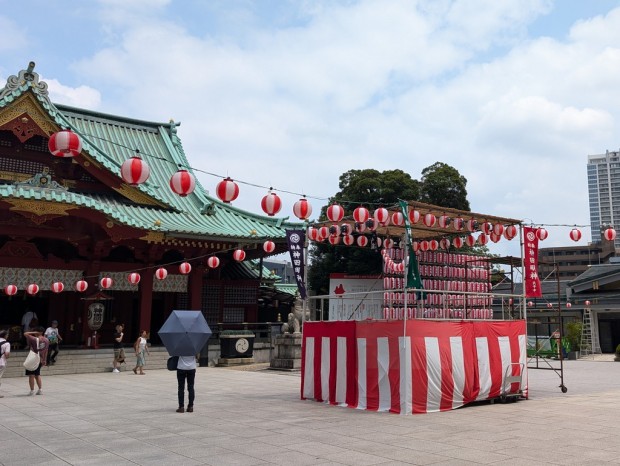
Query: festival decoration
x=371 y=224
x=398 y=219
x=541 y=234
x=483 y=239
x=271 y=203
x=81 y=286
x=510 y=232
x=388 y=243
x=430 y=220
x=161 y=273
x=444 y=221
x=587 y=303
x=135 y=171
x=470 y=240
x=58 y=287
x=10 y=290
x=495 y=237
x=134 y=278
x=575 y=234
x=568 y=305
x=32 y=289
x=414 y=216
x=345 y=229
x=472 y=225
x=444 y=243
x=457 y=242
x=360 y=227
x=227 y=190
x=334 y=230
x=213 y=262
x=333 y=239
x=183 y=183
x=433 y=245
x=106 y=282
x=361 y=214
x=348 y=240
x=335 y=213
x=415 y=246
x=530 y=304
x=185 y=268
x=239 y=255
x=610 y=234
x=323 y=233
x=424 y=246
x=270 y=246
x=362 y=241
x=313 y=234
x=302 y=209
x=382 y=216
x=486 y=227
x=458 y=223
x=498 y=229
x=65 y=144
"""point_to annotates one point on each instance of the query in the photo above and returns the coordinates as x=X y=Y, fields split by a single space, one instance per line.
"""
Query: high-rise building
x=604 y=193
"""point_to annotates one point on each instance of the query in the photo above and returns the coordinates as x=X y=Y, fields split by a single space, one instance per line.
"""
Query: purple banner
x=296 y=239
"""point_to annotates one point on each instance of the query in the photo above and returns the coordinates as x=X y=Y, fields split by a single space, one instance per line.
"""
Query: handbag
x=33 y=359
x=172 y=362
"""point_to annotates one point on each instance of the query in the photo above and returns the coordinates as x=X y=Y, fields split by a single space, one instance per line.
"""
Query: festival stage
x=416 y=366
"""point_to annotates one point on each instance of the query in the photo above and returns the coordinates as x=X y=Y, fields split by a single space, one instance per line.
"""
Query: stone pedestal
x=225 y=362
x=287 y=352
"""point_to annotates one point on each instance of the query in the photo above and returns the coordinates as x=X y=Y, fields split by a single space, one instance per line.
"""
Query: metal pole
x=560 y=331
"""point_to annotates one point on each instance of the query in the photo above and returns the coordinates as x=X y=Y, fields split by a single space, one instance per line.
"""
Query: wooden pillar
x=194 y=284
x=92 y=272
x=146 y=300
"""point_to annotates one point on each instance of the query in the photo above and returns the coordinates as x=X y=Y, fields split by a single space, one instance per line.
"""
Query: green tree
x=444 y=186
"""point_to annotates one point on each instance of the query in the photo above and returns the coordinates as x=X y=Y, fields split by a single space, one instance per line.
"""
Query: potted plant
x=617 y=355
x=573 y=336
x=236 y=343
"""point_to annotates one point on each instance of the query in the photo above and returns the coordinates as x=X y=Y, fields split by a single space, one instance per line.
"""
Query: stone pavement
x=251 y=417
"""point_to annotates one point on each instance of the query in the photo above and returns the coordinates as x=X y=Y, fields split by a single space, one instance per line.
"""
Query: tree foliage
x=443 y=185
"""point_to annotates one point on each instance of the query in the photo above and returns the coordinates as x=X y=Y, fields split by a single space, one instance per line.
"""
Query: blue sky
x=514 y=94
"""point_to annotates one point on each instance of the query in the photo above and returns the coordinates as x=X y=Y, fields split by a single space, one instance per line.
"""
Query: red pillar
x=146 y=299
x=194 y=285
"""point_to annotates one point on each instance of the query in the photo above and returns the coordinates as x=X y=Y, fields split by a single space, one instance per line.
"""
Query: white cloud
x=81 y=97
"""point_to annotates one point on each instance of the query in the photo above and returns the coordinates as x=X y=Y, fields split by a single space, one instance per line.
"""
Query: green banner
x=413 y=271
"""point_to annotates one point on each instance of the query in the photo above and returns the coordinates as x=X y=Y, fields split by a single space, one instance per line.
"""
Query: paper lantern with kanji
x=133 y=278
x=382 y=216
x=348 y=240
x=183 y=183
x=541 y=234
x=106 y=282
x=486 y=227
x=458 y=223
x=510 y=232
x=346 y=229
x=302 y=209
x=498 y=229
x=334 y=230
x=65 y=144
x=457 y=242
x=414 y=216
x=213 y=262
x=470 y=240
x=58 y=287
x=471 y=224
x=161 y=273
x=239 y=255
x=333 y=239
x=575 y=234
x=10 y=290
x=362 y=241
x=135 y=171
x=430 y=220
x=371 y=224
x=335 y=213
x=271 y=204
x=269 y=246
x=32 y=289
x=444 y=221
x=361 y=214
x=227 y=190
x=398 y=219
x=81 y=286
x=185 y=268
x=313 y=234
x=610 y=234
x=360 y=227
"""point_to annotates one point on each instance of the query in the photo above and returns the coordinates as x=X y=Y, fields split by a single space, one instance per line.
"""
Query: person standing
x=141 y=350
x=119 y=352
x=5 y=352
x=53 y=335
x=33 y=337
x=27 y=319
x=186 y=370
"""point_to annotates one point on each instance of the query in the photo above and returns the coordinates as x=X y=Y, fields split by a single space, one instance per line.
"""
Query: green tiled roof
x=110 y=140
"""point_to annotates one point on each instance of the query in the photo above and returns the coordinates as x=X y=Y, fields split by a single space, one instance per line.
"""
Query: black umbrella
x=185 y=333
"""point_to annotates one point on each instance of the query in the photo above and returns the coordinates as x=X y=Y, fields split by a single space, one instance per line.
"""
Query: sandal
x=135 y=371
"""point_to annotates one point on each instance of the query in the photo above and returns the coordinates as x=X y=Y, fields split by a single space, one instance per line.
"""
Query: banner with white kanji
x=530 y=265
x=296 y=240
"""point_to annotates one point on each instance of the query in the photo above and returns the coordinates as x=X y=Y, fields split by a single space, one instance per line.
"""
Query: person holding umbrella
x=186 y=370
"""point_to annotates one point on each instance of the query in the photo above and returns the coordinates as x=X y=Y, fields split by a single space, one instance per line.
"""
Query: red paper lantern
x=457 y=242
x=213 y=262
x=361 y=214
x=106 y=282
x=575 y=234
x=424 y=246
x=444 y=243
x=360 y=227
x=382 y=216
x=472 y=225
x=183 y=183
x=333 y=239
x=227 y=190
x=610 y=234
x=444 y=221
x=510 y=232
x=313 y=234
x=398 y=219
x=239 y=255
x=10 y=290
x=81 y=286
x=348 y=240
x=161 y=273
x=58 y=287
x=32 y=289
x=334 y=230
x=487 y=228
x=495 y=238
x=65 y=144
x=185 y=268
x=430 y=220
x=345 y=229
x=433 y=245
x=271 y=204
x=530 y=304
x=323 y=233
x=388 y=243
x=362 y=241
x=371 y=224
x=458 y=223
x=587 y=303
x=483 y=239
x=135 y=171
x=470 y=240
x=568 y=305
x=335 y=213
x=541 y=234
x=302 y=209
x=270 y=246
x=414 y=216
x=498 y=229
x=134 y=278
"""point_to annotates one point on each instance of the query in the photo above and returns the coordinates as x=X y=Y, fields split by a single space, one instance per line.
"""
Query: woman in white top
x=141 y=350
x=5 y=352
x=186 y=370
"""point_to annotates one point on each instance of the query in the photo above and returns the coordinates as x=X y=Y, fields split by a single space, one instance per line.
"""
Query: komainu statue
x=295 y=318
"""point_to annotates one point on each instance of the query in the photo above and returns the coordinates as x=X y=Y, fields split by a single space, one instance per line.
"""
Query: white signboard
x=355 y=297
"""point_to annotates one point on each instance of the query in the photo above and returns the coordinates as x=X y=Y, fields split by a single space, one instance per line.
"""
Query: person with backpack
x=5 y=352
x=52 y=334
